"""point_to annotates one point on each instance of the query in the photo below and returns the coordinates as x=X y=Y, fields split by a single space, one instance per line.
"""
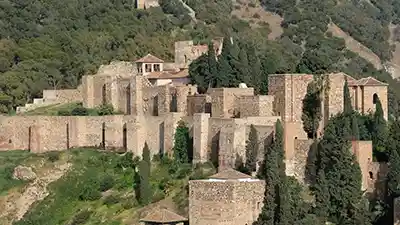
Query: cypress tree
x=199 y=72
x=256 y=72
x=225 y=74
x=243 y=73
x=252 y=148
x=146 y=154
x=145 y=191
x=181 y=143
x=355 y=130
x=379 y=134
x=212 y=65
x=268 y=215
x=339 y=173
x=144 y=173
x=347 y=108
x=312 y=112
x=394 y=160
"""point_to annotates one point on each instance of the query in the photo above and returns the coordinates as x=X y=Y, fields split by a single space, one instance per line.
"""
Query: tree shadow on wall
x=215 y=149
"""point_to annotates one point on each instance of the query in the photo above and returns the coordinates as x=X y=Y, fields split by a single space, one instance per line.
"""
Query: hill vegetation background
x=51 y=44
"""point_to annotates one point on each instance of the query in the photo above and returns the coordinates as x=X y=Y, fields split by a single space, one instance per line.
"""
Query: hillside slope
x=86 y=186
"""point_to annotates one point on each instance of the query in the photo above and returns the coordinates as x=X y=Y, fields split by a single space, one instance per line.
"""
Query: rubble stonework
x=154 y=97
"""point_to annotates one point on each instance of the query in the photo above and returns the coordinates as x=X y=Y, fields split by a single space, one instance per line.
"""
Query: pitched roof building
x=163 y=216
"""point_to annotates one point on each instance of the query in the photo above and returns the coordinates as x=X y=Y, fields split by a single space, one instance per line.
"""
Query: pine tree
x=312 y=111
x=394 y=160
x=181 y=143
x=380 y=133
x=252 y=148
x=347 y=107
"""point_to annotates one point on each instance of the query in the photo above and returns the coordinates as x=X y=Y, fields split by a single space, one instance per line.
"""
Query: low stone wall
x=62 y=96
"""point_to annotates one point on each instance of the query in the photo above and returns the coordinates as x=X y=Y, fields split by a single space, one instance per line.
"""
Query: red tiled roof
x=149 y=58
x=163 y=216
x=168 y=74
x=230 y=174
x=370 y=81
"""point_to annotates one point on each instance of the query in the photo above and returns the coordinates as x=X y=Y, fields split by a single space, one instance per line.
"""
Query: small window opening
x=375 y=98
x=371 y=176
x=147 y=68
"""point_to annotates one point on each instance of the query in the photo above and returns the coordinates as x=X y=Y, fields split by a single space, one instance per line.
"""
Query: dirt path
x=355 y=46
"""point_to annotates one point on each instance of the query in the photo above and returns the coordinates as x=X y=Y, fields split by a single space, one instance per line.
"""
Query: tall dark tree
x=312 y=112
x=212 y=65
x=380 y=132
x=225 y=76
x=252 y=148
x=339 y=173
x=243 y=73
x=144 y=173
x=347 y=107
x=355 y=127
x=146 y=154
x=181 y=143
x=393 y=146
x=199 y=73
x=272 y=176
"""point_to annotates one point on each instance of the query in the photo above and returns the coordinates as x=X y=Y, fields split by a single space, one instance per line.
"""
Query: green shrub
x=53 y=156
x=111 y=200
x=104 y=110
x=64 y=112
x=129 y=203
x=106 y=183
x=81 y=218
x=89 y=193
x=79 y=111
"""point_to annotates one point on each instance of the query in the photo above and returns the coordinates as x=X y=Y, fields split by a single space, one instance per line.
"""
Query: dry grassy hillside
x=87 y=186
x=253 y=12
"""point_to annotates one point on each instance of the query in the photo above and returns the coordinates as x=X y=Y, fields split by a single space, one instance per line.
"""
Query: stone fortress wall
x=219 y=120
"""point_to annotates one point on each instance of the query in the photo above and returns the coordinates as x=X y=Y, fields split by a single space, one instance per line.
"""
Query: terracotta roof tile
x=168 y=74
x=163 y=216
x=149 y=58
x=370 y=81
x=230 y=174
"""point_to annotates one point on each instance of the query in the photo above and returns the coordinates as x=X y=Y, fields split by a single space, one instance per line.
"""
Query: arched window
x=375 y=98
x=371 y=176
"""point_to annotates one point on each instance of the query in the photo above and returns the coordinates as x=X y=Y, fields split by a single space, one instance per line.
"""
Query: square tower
x=228 y=198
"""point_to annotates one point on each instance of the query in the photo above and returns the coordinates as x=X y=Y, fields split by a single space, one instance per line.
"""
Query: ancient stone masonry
x=155 y=95
x=228 y=198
